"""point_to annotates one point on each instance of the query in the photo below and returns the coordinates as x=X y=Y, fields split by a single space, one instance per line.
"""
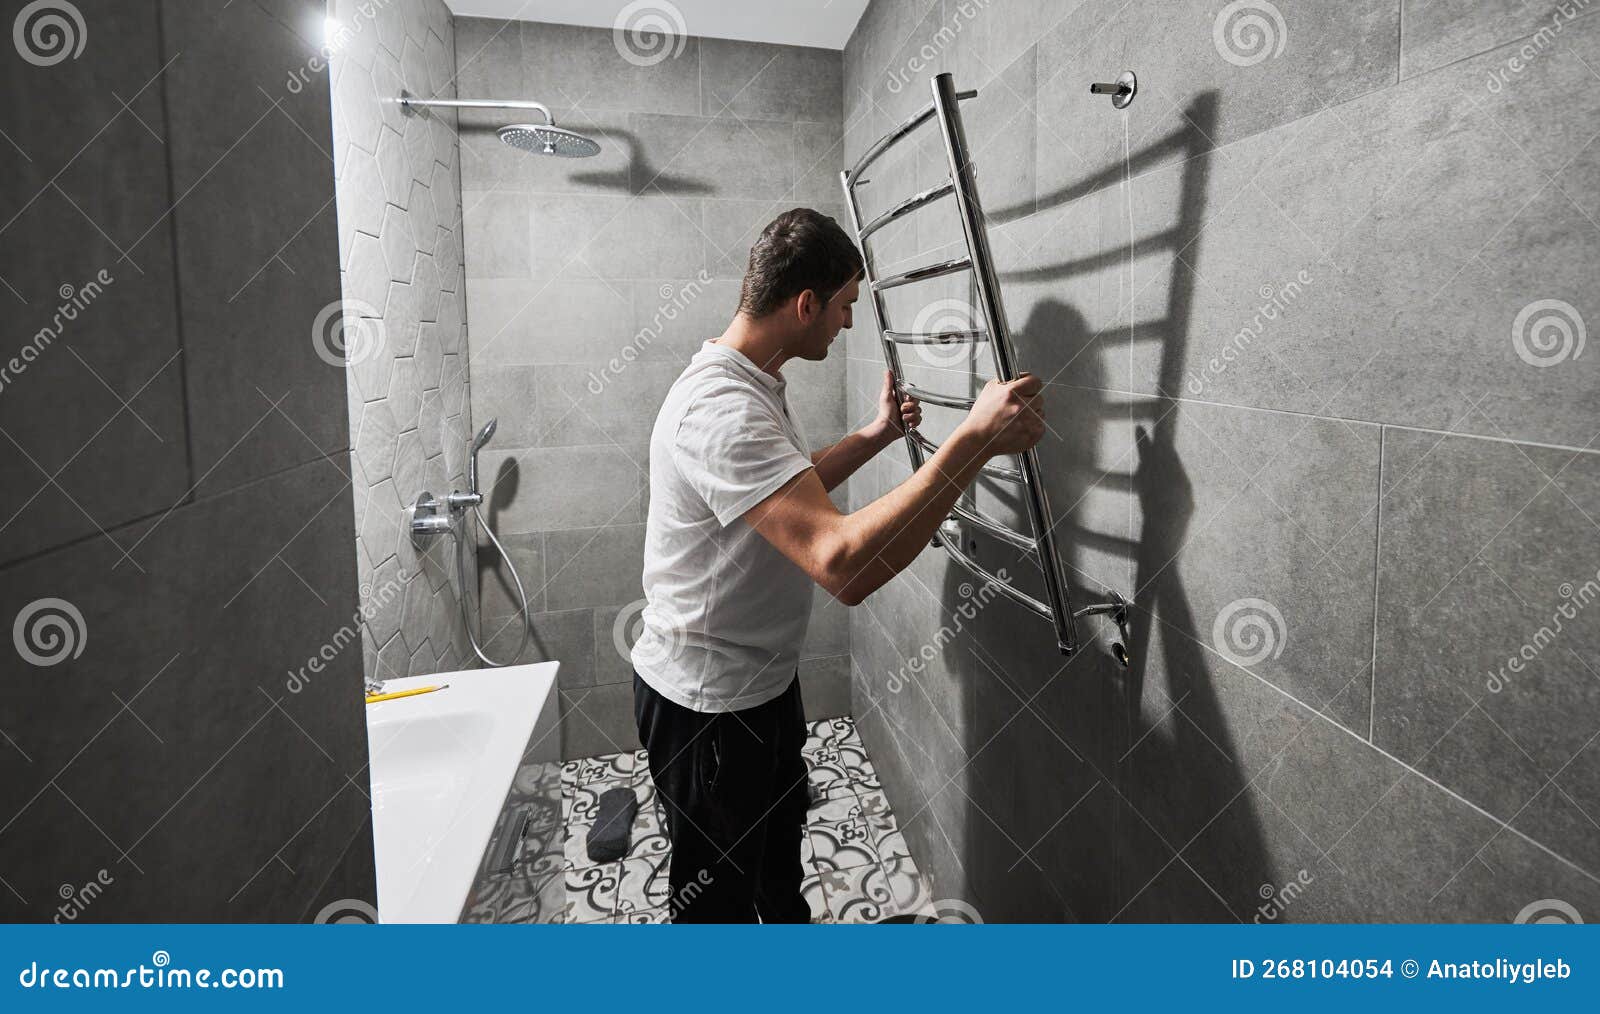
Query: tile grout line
x=177 y=276
x=1377 y=572
x=1377 y=423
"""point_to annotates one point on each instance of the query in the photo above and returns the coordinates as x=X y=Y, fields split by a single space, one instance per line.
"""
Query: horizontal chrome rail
x=907 y=206
x=976 y=334
x=883 y=143
x=989 y=467
x=934 y=397
x=999 y=584
x=996 y=529
x=917 y=274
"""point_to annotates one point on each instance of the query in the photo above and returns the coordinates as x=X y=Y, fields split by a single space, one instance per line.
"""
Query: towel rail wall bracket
x=961 y=186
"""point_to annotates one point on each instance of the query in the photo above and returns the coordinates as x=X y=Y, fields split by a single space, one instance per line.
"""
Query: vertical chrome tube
x=988 y=284
x=891 y=355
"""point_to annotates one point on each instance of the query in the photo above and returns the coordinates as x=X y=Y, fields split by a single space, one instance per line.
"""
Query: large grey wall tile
x=1433 y=170
x=253 y=284
x=542 y=489
x=559 y=320
x=594 y=566
x=181 y=639
x=1328 y=55
x=1503 y=707
x=597 y=720
x=717 y=156
x=588 y=68
x=1437 y=32
x=753 y=80
x=83 y=252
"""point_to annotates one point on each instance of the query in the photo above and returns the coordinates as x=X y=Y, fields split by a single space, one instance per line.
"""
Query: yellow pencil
x=375 y=698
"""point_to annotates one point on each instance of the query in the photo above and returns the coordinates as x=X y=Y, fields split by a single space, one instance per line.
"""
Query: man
x=740 y=526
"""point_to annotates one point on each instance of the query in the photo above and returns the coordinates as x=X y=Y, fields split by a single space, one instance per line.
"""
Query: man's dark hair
x=800 y=249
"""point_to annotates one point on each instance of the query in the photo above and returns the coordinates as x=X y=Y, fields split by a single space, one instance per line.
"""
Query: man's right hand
x=1007 y=417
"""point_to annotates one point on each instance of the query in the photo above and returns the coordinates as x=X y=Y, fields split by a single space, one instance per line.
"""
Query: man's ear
x=807 y=305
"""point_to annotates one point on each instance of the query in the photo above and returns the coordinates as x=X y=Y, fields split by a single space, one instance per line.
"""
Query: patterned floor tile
x=811 y=887
x=644 y=917
x=643 y=885
x=591 y=893
x=613 y=767
x=519 y=900
x=866 y=894
x=858 y=864
x=835 y=809
x=649 y=837
x=891 y=844
x=841 y=846
x=538 y=782
x=832 y=732
x=826 y=774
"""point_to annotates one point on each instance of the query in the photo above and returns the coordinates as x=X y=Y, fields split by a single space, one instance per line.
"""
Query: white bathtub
x=441 y=765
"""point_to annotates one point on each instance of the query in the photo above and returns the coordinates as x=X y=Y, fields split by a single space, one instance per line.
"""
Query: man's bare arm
x=837 y=462
x=853 y=555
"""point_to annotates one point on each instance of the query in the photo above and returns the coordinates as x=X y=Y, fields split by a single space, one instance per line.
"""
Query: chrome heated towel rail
x=961 y=186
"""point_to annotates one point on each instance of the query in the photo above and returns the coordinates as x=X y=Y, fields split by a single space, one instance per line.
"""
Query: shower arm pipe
x=407 y=101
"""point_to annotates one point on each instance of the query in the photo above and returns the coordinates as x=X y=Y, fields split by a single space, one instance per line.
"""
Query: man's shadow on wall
x=1142 y=756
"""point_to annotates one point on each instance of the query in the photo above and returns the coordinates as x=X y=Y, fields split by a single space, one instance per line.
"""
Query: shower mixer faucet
x=431 y=517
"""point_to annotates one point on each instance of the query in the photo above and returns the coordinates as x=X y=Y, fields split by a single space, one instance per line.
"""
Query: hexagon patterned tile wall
x=399 y=203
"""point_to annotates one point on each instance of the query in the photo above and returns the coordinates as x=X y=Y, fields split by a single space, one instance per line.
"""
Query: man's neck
x=759 y=343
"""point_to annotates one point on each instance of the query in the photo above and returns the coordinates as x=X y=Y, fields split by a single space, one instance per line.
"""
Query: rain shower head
x=540 y=138
x=548 y=139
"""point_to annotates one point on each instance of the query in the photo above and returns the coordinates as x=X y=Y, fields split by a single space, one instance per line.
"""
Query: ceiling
x=823 y=23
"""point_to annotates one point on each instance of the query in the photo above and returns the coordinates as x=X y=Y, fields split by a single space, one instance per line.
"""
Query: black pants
x=734 y=789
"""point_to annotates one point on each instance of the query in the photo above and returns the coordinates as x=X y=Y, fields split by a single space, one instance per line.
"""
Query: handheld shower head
x=472 y=459
x=484 y=434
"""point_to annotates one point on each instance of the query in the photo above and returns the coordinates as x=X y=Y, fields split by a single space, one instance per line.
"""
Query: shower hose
x=461 y=597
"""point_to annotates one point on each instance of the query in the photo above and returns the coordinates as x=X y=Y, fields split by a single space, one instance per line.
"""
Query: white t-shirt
x=726 y=612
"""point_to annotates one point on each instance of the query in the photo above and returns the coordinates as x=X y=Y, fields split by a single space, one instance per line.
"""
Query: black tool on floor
x=613 y=825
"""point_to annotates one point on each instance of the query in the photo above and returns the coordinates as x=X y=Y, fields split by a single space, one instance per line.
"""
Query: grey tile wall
x=1310 y=317
x=590 y=283
x=180 y=451
x=400 y=244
